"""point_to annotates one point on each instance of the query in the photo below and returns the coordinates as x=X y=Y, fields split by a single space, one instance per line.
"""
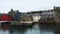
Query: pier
x=15 y=23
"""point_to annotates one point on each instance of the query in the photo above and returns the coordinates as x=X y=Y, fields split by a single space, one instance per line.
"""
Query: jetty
x=11 y=23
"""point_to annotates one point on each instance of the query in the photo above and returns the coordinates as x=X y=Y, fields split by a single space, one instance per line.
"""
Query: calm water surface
x=35 y=29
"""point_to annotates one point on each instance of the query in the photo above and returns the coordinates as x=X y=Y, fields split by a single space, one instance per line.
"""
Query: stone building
x=15 y=14
x=26 y=18
x=47 y=16
x=57 y=11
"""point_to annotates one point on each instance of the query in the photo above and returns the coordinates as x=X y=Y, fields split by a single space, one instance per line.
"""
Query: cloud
x=28 y=5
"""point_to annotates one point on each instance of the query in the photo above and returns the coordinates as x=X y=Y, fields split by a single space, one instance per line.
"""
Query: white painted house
x=48 y=14
x=36 y=17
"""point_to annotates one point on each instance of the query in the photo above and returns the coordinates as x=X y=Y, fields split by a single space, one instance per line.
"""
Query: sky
x=27 y=5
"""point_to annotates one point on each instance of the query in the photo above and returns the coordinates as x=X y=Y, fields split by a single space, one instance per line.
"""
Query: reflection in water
x=19 y=29
x=4 y=32
x=35 y=29
x=57 y=29
x=47 y=29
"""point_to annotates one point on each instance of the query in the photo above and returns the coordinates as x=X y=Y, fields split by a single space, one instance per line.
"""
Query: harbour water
x=33 y=29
